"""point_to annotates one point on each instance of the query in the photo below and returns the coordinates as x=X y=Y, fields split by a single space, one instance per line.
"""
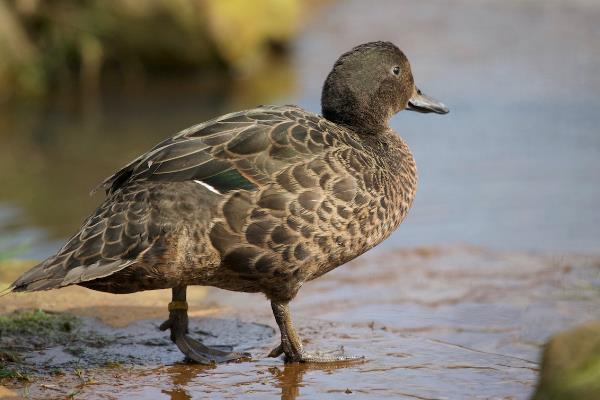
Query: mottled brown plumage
x=261 y=200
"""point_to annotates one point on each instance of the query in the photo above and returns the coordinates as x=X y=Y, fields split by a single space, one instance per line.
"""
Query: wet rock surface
x=434 y=323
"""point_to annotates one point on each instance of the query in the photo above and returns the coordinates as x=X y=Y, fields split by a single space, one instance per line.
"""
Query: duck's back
x=274 y=196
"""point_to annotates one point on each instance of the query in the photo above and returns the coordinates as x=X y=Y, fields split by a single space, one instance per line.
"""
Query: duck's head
x=371 y=83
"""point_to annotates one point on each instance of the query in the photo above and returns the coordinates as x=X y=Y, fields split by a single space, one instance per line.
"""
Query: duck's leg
x=291 y=345
x=193 y=349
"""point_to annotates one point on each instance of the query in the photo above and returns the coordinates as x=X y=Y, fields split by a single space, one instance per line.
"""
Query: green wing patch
x=229 y=180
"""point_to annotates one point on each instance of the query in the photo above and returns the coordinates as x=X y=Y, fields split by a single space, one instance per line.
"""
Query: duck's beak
x=425 y=104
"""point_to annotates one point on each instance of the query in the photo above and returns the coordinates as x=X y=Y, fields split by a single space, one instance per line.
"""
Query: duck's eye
x=396 y=70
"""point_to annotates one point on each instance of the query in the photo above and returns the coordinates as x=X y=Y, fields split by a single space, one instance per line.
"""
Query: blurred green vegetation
x=8 y=252
x=85 y=86
x=60 y=43
x=571 y=365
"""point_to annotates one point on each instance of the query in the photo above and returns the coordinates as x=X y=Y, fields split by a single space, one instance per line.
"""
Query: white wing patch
x=206 y=185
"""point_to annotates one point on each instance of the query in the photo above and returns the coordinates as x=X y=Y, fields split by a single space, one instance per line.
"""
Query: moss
x=9 y=356
x=571 y=366
x=50 y=326
x=7 y=373
x=28 y=330
x=113 y=364
x=24 y=332
x=76 y=351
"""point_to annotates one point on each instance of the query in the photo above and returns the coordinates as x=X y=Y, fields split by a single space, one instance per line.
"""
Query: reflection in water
x=289 y=379
x=181 y=375
x=177 y=394
x=290 y=376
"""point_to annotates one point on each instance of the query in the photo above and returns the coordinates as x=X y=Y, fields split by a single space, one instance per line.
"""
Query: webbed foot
x=276 y=352
x=334 y=356
x=291 y=345
x=197 y=352
x=193 y=349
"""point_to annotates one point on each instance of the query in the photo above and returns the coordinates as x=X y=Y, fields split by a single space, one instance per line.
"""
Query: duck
x=257 y=201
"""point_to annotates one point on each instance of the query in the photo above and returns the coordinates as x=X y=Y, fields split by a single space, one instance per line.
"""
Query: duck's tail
x=110 y=240
x=53 y=274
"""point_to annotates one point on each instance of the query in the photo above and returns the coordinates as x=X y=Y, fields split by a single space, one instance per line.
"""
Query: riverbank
x=434 y=322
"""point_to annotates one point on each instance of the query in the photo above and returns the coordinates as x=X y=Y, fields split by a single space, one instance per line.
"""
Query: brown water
x=434 y=323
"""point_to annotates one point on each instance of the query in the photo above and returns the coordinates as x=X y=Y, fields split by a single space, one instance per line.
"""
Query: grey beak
x=425 y=104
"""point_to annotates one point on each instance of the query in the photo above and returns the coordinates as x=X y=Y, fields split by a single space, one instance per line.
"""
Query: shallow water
x=434 y=323
x=515 y=165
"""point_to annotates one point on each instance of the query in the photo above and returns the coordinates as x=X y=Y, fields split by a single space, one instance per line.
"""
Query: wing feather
x=242 y=150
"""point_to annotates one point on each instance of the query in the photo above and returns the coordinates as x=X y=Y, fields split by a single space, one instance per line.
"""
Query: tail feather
x=46 y=277
x=30 y=280
x=110 y=240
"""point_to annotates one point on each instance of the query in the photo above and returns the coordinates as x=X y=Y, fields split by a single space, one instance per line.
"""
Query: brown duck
x=260 y=200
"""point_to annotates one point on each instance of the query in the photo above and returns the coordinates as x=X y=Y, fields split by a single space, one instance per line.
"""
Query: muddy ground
x=434 y=323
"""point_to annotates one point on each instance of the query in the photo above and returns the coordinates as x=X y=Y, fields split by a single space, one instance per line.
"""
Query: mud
x=434 y=323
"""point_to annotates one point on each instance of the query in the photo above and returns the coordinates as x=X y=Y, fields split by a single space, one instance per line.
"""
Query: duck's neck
x=340 y=104
x=361 y=123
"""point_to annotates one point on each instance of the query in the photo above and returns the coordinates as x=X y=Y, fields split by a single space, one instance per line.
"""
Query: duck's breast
x=315 y=216
x=381 y=178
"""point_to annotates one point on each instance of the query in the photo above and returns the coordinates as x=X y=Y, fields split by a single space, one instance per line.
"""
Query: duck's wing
x=242 y=150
